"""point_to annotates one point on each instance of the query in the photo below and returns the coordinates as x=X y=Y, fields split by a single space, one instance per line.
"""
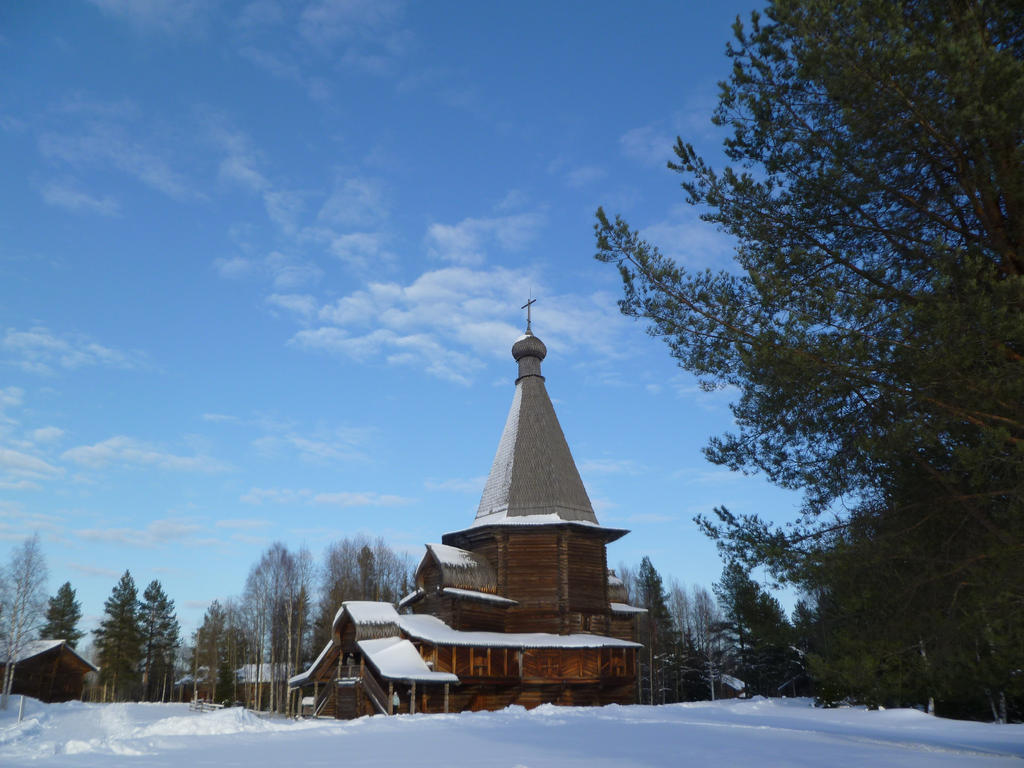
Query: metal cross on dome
x=527 y=306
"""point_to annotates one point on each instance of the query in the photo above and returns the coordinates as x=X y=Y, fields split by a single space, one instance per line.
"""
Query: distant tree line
x=246 y=647
x=697 y=647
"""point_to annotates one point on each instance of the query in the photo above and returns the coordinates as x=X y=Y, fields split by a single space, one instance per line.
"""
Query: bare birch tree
x=22 y=604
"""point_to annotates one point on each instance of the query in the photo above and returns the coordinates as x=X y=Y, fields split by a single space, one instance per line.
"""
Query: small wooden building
x=518 y=608
x=50 y=670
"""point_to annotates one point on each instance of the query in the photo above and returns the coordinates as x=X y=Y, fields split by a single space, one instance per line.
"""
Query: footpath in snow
x=760 y=732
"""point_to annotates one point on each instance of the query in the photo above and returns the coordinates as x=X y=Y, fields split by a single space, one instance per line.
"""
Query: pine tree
x=211 y=648
x=872 y=326
x=63 y=613
x=656 y=629
x=119 y=638
x=758 y=631
x=160 y=639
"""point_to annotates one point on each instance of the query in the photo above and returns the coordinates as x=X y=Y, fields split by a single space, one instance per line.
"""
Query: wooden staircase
x=347 y=696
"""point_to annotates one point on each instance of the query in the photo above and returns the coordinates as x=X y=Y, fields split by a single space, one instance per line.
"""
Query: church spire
x=533 y=473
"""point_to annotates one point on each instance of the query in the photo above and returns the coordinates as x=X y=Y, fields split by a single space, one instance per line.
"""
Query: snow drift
x=762 y=732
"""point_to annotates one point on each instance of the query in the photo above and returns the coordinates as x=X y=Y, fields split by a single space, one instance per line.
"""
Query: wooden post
x=391 y=696
x=412 y=699
x=446 y=697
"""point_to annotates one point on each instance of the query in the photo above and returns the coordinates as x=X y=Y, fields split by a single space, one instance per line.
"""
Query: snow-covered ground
x=760 y=732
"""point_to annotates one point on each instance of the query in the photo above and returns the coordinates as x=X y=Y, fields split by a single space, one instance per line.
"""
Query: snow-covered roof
x=625 y=608
x=371 y=618
x=411 y=598
x=733 y=682
x=397 y=659
x=368 y=612
x=461 y=568
x=263 y=673
x=471 y=594
x=452 y=556
x=433 y=630
x=34 y=648
x=617 y=592
x=303 y=677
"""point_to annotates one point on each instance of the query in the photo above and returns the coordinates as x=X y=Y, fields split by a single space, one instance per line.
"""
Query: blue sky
x=261 y=266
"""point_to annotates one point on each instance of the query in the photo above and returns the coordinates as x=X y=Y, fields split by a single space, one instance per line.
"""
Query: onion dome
x=528 y=352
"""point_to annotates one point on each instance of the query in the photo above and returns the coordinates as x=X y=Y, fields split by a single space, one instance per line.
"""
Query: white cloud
x=107 y=145
x=693 y=243
x=355 y=202
x=24 y=465
x=218 y=417
x=610 y=467
x=350 y=499
x=260 y=13
x=155 y=534
x=584 y=175
x=336 y=499
x=285 y=272
x=121 y=450
x=465 y=242
x=284 y=208
x=167 y=16
x=325 y=23
x=235 y=267
x=46 y=434
x=10 y=397
x=289 y=272
x=66 y=194
x=240 y=169
x=39 y=350
x=317 y=88
x=448 y=320
x=339 y=445
x=458 y=485
x=650 y=144
x=94 y=570
x=301 y=304
x=243 y=523
x=361 y=250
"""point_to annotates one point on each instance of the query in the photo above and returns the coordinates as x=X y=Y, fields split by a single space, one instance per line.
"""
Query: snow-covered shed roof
x=260 y=673
x=370 y=618
x=485 y=597
x=461 y=568
x=733 y=682
x=432 y=630
x=626 y=608
x=304 y=677
x=616 y=588
x=398 y=659
x=412 y=597
x=34 y=648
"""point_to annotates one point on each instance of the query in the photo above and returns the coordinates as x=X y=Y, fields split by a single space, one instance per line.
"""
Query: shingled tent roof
x=534 y=480
x=460 y=568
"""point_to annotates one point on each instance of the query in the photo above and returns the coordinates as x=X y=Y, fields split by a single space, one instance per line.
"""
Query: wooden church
x=517 y=608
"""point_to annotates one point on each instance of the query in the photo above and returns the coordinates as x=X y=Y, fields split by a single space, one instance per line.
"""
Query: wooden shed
x=50 y=670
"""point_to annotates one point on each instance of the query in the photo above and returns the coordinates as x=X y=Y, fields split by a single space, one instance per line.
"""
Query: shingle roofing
x=533 y=471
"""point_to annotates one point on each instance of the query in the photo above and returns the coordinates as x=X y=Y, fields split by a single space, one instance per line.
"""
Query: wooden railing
x=201 y=705
x=375 y=692
x=323 y=698
x=349 y=672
